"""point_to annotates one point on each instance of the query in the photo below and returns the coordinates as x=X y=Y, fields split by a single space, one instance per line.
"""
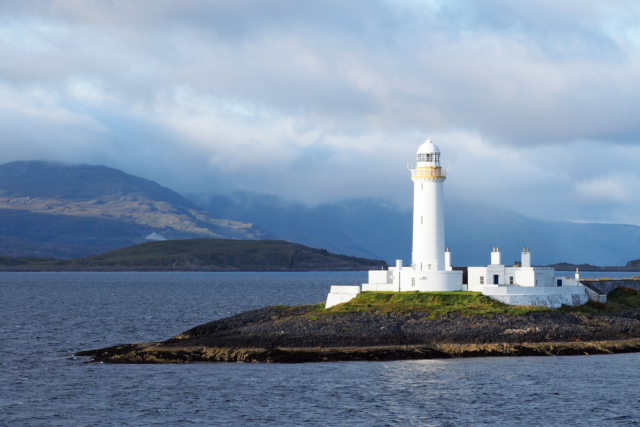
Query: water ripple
x=45 y=317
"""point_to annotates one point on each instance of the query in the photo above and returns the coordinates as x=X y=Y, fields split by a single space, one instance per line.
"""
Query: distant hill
x=203 y=255
x=287 y=220
x=634 y=263
x=371 y=226
x=61 y=210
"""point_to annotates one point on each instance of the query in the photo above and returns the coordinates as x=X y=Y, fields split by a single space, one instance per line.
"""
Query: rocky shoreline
x=305 y=334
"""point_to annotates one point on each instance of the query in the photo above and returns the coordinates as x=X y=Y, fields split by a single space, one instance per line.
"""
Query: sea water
x=45 y=317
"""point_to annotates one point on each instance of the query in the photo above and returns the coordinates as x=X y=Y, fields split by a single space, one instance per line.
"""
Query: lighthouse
x=431 y=271
x=430 y=268
x=428 y=210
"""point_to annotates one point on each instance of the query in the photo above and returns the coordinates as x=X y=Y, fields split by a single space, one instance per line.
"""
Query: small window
x=482 y=280
x=420 y=266
x=511 y=280
x=422 y=186
x=420 y=220
x=413 y=281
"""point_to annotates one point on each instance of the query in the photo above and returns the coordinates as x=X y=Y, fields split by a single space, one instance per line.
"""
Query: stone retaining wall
x=552 y=301
x=607 y=286
x=593 y=295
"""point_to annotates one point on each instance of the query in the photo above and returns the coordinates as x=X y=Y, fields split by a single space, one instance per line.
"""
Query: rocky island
x=395 y=326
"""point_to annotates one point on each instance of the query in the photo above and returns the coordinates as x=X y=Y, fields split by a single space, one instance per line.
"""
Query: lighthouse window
x=482 y=280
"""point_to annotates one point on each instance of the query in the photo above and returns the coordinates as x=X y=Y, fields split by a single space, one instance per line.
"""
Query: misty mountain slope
x=289 y=221
x=374 y=224
x=98 y=207
x=78 y=182
x=472 y=230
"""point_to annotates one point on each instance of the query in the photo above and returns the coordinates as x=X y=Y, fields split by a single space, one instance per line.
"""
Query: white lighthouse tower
x=430 y=268
x=428 y=210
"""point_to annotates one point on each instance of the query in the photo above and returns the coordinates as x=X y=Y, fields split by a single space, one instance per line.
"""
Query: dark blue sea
x=45 y=317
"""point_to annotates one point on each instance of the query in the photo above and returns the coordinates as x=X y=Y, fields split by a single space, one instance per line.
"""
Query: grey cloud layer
x=251 y=95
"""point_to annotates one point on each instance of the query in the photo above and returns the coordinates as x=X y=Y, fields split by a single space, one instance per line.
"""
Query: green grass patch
x=433 y=303
x=620 y=299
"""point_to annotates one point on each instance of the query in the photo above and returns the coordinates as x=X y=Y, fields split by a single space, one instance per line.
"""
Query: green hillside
x=204 y=255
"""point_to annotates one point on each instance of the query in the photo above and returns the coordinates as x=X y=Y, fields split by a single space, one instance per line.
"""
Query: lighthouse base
x=409 y=280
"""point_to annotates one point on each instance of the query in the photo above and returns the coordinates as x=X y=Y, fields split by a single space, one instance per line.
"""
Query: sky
x=535 y=105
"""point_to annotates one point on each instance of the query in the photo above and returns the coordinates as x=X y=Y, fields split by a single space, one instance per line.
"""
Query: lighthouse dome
x=428 y=147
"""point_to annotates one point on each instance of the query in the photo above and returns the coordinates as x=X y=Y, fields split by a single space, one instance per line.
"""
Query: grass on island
x=620 y=299
x=467 y=304
x=434 y=303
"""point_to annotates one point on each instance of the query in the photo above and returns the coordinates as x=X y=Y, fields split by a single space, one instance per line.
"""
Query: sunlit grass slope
x=434 y=303
x=620 y=299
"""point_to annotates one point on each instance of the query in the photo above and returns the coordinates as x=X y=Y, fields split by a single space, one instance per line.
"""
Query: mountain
x=64 y=211
x=382 y=230
x=202 y=255
x=287 y=220
x=473 y=230
x=70 y=211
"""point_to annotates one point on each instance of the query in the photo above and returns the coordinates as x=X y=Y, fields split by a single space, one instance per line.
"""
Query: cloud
x=607 y=189
x=317 y=101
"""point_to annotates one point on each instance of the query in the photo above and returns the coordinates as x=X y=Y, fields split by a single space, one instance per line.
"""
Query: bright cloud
x=534 y=103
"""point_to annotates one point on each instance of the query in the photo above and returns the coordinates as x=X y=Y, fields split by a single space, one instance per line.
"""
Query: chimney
x=495 y=257
x=526 y=258
x=447 y=260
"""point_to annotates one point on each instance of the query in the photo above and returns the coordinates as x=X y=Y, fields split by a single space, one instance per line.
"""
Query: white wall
x=380 y=276
x=508 y=273
x=447 y=261
x=428 y=223
x=544 y=276
x=521 y=276
x=379 y=287
x=341 y=294
x=495 y=270
x=532 y=290
x=431 y=281
x=473 y=278
x=525 y=277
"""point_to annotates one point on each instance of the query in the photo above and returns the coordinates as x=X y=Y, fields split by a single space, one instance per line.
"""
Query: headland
x=396 y=326
x=202 y=255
